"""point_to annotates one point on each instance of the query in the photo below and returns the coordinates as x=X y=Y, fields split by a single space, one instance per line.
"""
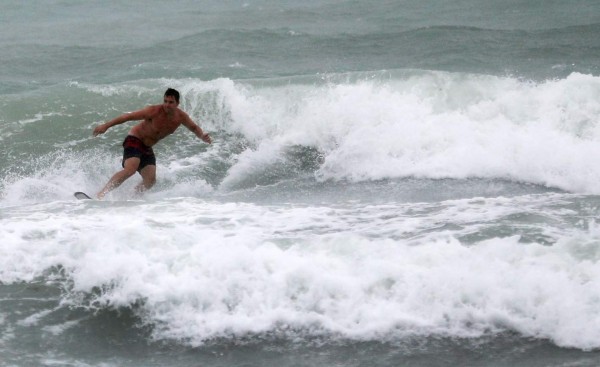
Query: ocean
x=391 y=183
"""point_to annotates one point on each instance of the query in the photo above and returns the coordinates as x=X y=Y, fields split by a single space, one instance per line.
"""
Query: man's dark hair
x=173 y=93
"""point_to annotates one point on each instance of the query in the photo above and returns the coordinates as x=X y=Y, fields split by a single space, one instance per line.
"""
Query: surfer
x=158 y=121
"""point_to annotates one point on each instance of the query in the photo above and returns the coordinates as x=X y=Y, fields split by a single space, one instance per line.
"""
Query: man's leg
x=129 y=168
x=148 y=178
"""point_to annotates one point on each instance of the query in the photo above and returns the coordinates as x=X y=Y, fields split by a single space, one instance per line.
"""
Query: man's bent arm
x=193 y=127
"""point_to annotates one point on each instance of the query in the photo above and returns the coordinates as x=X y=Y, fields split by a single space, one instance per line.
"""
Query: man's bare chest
x=163 y=124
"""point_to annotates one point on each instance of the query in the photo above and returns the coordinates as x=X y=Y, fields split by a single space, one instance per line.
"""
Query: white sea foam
x=202 y=270
x=434 y=125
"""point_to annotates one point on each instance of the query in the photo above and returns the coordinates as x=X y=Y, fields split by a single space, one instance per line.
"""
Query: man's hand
x=100 y=129
x=205 y=137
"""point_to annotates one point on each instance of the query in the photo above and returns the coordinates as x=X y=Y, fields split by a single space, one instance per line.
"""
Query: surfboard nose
x=81 y=195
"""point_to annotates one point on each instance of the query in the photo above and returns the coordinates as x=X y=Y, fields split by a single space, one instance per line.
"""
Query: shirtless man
x=158 y=121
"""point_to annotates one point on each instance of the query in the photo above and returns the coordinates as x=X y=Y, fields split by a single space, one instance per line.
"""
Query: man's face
x=169 y=103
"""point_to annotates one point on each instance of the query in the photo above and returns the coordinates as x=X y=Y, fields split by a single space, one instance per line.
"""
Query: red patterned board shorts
x=134 y=147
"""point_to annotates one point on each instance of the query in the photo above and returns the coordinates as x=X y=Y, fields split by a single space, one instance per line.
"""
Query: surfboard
x=81 y=195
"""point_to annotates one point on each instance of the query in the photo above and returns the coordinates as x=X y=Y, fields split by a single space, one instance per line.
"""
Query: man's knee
x=149 y=182
x=128 y=171
x=148 y=176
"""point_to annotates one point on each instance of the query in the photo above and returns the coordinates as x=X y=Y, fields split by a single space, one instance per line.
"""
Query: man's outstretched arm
x=130 y=116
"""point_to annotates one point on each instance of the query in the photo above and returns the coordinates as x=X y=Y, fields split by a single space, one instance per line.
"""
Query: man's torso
x=156 y=126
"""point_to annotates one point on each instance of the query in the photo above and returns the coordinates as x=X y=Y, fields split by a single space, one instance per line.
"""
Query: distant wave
x=267 y=53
